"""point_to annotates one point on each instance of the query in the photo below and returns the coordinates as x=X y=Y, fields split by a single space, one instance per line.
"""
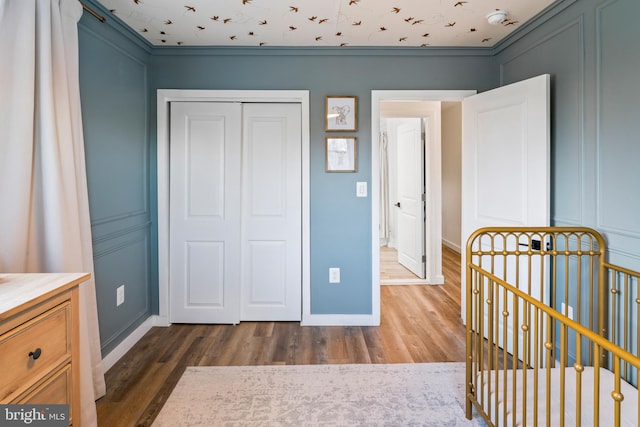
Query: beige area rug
x=422 y=394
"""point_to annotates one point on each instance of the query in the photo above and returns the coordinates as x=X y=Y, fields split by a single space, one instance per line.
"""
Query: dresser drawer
x=54 y=391
x=33 y=349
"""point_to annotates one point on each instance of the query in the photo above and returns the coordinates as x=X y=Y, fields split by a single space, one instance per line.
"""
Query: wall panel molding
x=602 y=204
x=120 y=246
x=112 y=45
x=576 y=25
x=138 y=68
x=120 y=217
x=579 y=22
x=122 y=232
x=135 y=309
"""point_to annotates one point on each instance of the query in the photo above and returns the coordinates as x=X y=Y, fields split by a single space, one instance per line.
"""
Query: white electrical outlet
x=120 y=295
x=334 y=275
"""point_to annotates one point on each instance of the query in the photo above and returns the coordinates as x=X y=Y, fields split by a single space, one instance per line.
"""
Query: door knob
x=398 y=204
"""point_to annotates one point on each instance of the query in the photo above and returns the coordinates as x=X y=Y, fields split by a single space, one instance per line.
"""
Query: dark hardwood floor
x=418 y=324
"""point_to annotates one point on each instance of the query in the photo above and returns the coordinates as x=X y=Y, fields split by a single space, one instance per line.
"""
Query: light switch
x=361 y=189
x=334 y=275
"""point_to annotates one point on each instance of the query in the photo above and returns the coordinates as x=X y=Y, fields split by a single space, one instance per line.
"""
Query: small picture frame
x=341 y=114
x=340 y=154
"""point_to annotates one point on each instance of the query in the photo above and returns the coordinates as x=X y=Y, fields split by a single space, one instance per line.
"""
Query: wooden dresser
x=39 y=350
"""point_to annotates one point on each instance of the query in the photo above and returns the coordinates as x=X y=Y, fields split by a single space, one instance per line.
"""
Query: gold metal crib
x=551 y=328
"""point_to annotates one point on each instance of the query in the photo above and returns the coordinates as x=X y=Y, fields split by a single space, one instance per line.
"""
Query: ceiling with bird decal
x=327 y=23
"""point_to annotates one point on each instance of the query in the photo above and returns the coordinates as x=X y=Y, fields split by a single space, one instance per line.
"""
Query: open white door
x=410 y=204
x=505 y=162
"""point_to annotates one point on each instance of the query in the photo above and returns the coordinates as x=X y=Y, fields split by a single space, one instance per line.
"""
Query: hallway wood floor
x=418 y=324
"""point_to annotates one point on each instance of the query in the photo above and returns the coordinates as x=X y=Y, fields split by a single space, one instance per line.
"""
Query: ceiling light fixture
x=497 y=17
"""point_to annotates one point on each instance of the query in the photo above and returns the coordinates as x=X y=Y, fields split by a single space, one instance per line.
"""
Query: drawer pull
x=35 y=354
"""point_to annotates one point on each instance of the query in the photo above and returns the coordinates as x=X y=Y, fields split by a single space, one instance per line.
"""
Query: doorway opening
x=421 y=104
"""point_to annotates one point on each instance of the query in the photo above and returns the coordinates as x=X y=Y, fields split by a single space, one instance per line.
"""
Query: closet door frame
x=164 y=99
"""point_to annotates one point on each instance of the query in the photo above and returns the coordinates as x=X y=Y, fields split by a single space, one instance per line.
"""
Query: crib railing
x=545 y=298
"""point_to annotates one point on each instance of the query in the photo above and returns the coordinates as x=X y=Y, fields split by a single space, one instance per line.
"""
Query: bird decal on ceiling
x=150 y=20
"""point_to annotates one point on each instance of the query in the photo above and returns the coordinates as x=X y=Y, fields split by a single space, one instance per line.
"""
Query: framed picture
x=340 y=154
x=341 y=114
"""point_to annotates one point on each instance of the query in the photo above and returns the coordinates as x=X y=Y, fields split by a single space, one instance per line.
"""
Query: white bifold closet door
x=235 y=212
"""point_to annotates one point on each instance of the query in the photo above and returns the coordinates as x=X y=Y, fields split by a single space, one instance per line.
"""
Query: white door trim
x=433 y=228
x=164 y=99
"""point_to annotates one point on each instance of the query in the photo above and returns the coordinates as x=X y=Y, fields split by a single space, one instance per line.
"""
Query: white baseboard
x=405 y=282
x=340 y=320
x=452 y=245
x=114 y=355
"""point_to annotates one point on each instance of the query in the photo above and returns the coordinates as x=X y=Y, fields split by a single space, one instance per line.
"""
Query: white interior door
x=410 y=191
x=505 y=163
x=204 y=225
x=271 y=212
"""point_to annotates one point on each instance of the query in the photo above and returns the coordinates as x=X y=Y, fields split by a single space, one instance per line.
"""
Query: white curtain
x=384 y=186
x=44 y=207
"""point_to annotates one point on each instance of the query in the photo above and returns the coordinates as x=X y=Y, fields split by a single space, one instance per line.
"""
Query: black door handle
x=398 y=204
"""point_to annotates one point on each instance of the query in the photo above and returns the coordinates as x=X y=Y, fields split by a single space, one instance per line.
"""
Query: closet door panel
x=272 y=215
x=205 y=212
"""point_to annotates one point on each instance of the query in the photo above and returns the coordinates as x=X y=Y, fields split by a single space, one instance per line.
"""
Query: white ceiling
x=410 y=23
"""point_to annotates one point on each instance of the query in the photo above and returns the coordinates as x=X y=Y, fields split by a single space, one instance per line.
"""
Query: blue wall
x=588 y=46
x=590 y=49
x=114 y=88
x=340 y=222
